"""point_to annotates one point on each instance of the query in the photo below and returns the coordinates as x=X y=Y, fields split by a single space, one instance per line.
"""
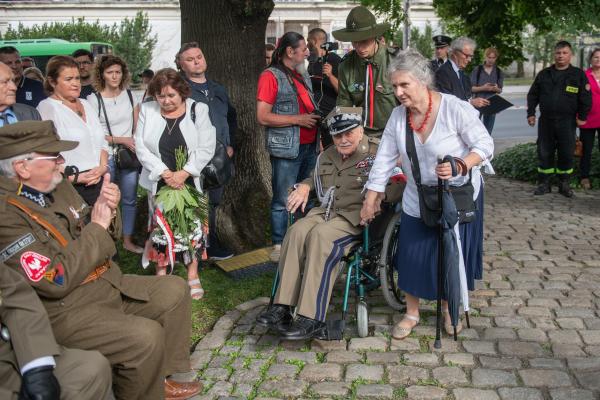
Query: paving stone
x=520 y=394
x=282 y=371
x=362 y=371
x=564 y=337
x=425 y=393
x=532 y=334
x=479 y=347
x=544 y=378
x=521 y=349
x=309 y=357
x=499 y=333
x=321 y=372
x=567 y=350
x=285 y=387
x=426 y=359
x=368 y=343
x=460 y=359
x=571 y=394
x=328 y=345
x=375 y=391
x=591 y=337
x=572 y=312
x=512 y=322
x=343 y=357
x=406 y=375
x=474 y=394
x=589 y=363
x=333 y=389
x=243 y=390
x=570 y=323
x=221 y=388
x=212 y=340
x=408 y=344
x=535 y=312
x=245 y=376
x=450 y=376
x=500 y=362
x=493 y=378
x=551 y=363
x=218 y=362
x=383 y=358
x=588 y=379
x=593 y=350
x=200 y=358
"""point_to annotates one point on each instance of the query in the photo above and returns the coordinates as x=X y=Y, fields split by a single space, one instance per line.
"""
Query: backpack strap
x=130 y=97
x=193 y=112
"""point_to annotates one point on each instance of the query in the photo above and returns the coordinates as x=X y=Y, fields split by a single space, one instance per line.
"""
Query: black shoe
x=565 y=189
x=543 y=188
x=275 y=316
x=218 y=253
x=302 y=328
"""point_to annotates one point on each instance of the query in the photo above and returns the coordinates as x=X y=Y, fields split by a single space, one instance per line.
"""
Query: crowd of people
x=343 y=136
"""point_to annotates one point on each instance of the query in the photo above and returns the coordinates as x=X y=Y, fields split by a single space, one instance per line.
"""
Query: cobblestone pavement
x=535 y=325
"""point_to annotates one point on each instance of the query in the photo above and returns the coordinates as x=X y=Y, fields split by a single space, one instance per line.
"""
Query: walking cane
x=442 y=185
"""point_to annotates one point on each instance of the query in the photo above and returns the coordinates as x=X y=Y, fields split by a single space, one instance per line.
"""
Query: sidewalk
x=535 y=324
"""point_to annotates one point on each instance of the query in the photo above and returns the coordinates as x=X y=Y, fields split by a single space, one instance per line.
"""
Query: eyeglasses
x=468 y=56
x=81 y=63
x=56 y=157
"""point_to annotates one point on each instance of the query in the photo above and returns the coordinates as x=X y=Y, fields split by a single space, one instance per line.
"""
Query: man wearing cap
x=442 y=44
x=11 y=112
x=64 y=249
x=362 y=76
x=314 y=245
x=31 y=362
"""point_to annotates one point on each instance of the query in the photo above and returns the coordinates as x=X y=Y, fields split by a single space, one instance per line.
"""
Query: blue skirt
x=416 y=257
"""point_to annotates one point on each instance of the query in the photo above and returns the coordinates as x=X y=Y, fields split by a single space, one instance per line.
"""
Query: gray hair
x=6 y=166
x=460 y=42
x=412 y=61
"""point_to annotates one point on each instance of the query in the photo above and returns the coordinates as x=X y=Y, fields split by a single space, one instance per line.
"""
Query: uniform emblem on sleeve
x=16 y=246
x=35 y=265
x=56 y=275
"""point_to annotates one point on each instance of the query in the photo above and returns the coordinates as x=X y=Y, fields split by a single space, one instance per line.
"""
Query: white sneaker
x=275 y=253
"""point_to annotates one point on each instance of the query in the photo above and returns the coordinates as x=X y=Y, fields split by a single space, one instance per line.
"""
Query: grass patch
x=321 y=357
x=400 y=393
x=428 y=382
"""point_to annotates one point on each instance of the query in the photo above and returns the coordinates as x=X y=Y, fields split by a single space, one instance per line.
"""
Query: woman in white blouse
x=172 y=122
x=75 y=119
x=115 y=108
x=442 y=125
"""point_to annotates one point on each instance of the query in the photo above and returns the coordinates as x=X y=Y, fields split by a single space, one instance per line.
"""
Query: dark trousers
x=555 y=137
x=89 y=193
x=587 y=137
x=214 y=199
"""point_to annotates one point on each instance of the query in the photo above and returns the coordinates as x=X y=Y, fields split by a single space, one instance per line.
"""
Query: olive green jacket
x=352 y=73
x=349 y=177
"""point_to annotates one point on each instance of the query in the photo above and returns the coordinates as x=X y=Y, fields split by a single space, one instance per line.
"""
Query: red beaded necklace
x=421 y=128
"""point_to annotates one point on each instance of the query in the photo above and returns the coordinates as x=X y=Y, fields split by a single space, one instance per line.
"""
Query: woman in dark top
x=174 y=141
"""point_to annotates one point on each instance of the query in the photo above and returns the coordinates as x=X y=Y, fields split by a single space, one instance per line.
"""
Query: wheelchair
x=369 y=265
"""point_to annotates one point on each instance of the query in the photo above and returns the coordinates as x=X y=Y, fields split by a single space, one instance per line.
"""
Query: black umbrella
x=449 y=286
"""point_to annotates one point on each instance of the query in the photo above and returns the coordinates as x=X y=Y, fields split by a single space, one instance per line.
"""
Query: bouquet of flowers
x=181 y=216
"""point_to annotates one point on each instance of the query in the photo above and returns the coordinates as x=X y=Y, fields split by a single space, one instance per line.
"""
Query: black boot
x=302 y=329
x=563 y=187
x=273 y=317
x=543 y=185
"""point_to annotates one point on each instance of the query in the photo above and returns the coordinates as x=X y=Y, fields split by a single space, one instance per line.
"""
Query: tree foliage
x=393 y=13
x=132 y=39
x=422 y=41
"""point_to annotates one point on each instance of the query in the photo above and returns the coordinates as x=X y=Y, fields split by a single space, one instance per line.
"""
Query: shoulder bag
x=124 y=158
x=429 y=206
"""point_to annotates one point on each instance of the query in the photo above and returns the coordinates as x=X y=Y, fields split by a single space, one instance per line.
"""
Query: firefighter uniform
x=563 y=96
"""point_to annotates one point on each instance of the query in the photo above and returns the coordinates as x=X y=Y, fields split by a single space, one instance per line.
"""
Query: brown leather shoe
x=181 y=390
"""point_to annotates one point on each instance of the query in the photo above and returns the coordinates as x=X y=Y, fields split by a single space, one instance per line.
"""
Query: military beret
x=31 y=136
x=342 y=119
x=441 y=41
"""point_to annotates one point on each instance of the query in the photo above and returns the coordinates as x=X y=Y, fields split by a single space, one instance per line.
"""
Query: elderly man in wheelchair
x=314 y=245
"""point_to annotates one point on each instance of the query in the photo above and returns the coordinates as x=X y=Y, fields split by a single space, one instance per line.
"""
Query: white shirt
x=119 y=111
x=71 y=126
x=457 y=131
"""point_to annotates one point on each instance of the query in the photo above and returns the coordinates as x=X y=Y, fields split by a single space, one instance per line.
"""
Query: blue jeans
x=127 y=179
x=488 y=121
x=286 y=173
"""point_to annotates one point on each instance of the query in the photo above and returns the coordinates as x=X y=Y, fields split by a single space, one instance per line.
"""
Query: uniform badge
x=56 y=275
x=16 y=246
x=572 y=89
x=28 y=96
x=365 y=164
x=74 y=212
x=35 y=265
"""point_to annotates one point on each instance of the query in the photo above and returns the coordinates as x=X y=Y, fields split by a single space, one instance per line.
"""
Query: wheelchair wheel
x=387 y=273
x=362 y=319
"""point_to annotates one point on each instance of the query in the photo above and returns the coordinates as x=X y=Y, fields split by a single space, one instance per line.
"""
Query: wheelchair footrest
x=334 y=330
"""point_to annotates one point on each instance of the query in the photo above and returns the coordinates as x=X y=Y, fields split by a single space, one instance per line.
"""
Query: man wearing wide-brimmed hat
x=363 y=78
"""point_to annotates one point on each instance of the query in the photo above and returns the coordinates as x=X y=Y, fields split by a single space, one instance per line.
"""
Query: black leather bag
x=220 y=168
x=429 y=206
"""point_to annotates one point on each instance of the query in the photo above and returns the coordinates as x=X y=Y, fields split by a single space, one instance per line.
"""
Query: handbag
x=219 y=169
x=124 y=157
x=578 y=148
x=429 y=206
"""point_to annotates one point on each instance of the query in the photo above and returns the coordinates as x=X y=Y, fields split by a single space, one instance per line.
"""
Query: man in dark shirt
x=190 y=60
x=85 y=60
x=323 y=71
x=563 y=94
x=442 y=45
x=29 y=91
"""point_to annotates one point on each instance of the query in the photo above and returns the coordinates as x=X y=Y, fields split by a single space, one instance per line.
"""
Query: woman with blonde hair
x=488 y=80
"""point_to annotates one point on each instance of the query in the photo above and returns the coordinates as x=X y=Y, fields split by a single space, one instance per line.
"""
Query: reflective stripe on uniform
x=546 y=171
x=564 y=171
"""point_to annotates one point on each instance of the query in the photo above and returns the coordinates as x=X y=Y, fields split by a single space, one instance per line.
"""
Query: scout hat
x=31 y=136
x=441 y=41
x=342 y=119
x=360 y=25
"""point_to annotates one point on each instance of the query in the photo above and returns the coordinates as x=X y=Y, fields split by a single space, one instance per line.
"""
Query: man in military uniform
x=563 y=94
x=314 y=245
x=362 y=76
x=64 y=249
x=442 y=45
x=31 y=363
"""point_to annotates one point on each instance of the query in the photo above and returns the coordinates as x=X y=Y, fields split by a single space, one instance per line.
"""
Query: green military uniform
x=81 y=374
x=356 y=82
x=141 y=324
x=314 y=245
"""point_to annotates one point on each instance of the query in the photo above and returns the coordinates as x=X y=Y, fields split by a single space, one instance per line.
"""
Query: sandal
x=161 y=270
x=196 y=290
x=448 y=325
x=400 y=332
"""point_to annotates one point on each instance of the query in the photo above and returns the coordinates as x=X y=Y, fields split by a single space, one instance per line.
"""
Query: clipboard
x=497 y=104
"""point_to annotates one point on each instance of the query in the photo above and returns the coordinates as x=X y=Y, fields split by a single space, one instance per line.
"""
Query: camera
x=330 y=46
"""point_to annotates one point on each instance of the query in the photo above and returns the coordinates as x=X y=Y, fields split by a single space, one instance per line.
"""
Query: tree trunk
x=231 y=34
x=520 y=69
